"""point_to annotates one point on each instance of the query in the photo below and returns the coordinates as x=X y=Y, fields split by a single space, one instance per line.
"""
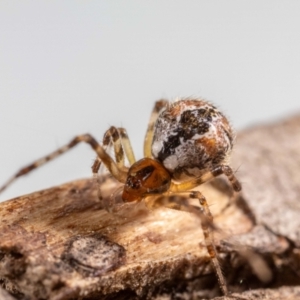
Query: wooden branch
x=61 y=244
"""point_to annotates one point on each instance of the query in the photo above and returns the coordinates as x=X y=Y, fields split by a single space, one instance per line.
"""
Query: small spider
x=187 y=143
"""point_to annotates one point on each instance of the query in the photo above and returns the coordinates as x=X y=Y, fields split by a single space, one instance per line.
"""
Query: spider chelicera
x=187 y=143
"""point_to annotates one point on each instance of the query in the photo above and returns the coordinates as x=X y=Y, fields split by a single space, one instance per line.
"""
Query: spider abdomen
x=190 y=137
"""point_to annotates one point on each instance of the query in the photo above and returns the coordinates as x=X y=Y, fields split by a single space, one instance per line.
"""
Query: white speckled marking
x=191 y=136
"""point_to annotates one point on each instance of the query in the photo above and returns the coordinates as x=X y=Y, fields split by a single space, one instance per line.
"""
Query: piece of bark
x=5 y=295
x=48 y=238
x=282 y=293
x=61 y=244
x=269 y=167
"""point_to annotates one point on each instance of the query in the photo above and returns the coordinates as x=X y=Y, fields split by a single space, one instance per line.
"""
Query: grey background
x=70 y=67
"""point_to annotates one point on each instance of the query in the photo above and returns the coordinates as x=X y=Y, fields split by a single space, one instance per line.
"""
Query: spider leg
x=206 y=219
x=127 y=145
x=111 y=136
x=158 y=106
x=119 y=139
x=227 y=171
x=113 y=168
x=106 y=143
x=209 y=239
x=214 y=172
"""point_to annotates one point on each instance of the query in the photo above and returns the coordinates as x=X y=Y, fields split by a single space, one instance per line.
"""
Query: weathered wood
x=48 y=238
x=268 y=158
x=61 y=244
x=282 y=293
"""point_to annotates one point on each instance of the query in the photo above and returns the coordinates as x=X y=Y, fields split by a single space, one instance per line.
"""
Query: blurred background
x=72 y=67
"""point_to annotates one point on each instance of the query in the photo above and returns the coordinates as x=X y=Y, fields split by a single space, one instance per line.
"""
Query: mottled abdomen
x=190 y=137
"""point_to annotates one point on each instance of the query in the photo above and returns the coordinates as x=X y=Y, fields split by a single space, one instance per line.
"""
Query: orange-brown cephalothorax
x=145 y=177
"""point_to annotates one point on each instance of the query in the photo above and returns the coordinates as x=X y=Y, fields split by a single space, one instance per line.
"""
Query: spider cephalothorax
x=189 y=137
x=145 y=177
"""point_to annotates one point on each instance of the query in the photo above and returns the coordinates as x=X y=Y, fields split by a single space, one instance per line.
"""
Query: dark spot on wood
x=73 y=191
x=94 y=255
x=14 y=261
x=58 y=285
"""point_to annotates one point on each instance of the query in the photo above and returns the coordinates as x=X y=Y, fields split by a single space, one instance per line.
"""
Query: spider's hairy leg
x=111 y=137
x=158 y=106
x=214 y=172
x=106 y=143
x=209 y=240
x=206 y=218
x=118 y=173
x=127 y=145
x=227 y=171
x=119 y=139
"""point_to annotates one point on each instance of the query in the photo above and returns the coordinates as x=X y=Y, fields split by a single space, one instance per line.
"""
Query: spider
x=187 y=143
